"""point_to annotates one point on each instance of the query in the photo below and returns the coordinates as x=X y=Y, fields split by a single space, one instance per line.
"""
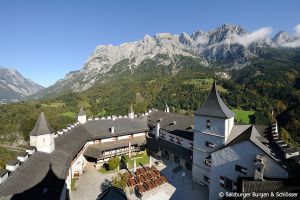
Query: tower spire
x=214 y=105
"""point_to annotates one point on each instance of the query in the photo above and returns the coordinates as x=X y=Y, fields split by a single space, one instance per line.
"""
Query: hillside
x=228 y=46
x=270 y=83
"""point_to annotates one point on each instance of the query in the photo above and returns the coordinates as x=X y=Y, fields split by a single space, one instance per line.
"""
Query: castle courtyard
x=178 y=187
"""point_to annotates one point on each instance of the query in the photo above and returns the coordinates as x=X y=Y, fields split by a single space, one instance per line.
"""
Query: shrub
x=113 y=163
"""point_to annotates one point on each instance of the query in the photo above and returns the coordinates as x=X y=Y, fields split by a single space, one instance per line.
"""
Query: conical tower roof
x=214 y=106
x=81 y=112
x=131 y=109
x=42 y=126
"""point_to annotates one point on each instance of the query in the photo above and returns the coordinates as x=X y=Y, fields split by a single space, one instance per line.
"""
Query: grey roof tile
x=182 y=127
x=81 y=112
x=214 y=106
x=112 y=193
x=96 y=150
x=3 y=172
x=42 y=126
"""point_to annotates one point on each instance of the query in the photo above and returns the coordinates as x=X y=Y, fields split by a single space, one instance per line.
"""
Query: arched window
x=208 y=124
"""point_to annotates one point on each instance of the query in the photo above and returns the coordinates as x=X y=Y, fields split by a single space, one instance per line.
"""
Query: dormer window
x=173 y=123
x=208 y=124
x=209 y=144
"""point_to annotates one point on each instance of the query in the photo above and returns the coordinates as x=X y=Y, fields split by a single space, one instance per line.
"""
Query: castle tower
x=213 y=122
x=167 y=109
x=42 y=135
x=131 y=113
x=81 y=118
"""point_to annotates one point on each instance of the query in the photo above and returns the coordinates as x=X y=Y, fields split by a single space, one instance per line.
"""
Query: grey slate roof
x=99 y=129
x=183 y=126
x=12 y=162
x=96 y=150
x=250 y=133
x=29 y=147
x=214 y=106
x=159 y=144
x=3 y=172
x=42 y=126
x=112 y=193
x=240 y=133
x=81 y=112
x=67 y=146
x=249 y=185
x=22 y=154
x=33 y=172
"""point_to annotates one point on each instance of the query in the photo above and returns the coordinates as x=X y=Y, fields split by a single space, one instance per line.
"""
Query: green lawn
x=139 y=160
x=204 y=84
x=69 y=114
x=53 y=105
x=243 y=116
x=103 y=170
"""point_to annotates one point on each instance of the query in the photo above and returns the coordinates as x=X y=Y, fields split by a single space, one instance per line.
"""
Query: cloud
x=296 y=42
x=297 y=30
x=247 y=39
x=255 y=36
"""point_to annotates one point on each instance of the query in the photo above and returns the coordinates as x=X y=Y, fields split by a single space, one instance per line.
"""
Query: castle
x=222 y=155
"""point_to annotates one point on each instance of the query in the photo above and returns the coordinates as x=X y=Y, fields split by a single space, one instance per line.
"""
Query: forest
x=268 y=88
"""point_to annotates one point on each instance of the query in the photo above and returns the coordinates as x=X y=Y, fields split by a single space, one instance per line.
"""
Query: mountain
x=228 y=46
x=14 y=87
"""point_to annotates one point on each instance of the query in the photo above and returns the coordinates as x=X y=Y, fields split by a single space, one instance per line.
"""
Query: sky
x=46 y=39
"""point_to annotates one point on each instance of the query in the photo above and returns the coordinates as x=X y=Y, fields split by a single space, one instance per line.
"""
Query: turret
x=42 y=135
x=81 y=118
x=131 y=113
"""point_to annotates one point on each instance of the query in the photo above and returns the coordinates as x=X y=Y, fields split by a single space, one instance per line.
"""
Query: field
x=69 y=114
x=243 y=116
x=53 y=105
x=204 y=84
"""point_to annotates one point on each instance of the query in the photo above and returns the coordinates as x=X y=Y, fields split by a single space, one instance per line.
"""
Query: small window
x=171 y=138
x=209 y=144
x=208 y=124
x=241 y=169
x=226 y=183
x=162 y=135
x=178 y=141
x=191 y=145
x=206 y=179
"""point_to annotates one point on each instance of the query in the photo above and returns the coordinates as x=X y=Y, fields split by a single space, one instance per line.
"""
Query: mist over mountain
x=14 y=87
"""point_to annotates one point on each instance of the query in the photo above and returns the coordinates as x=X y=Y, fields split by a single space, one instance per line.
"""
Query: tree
x=113 y=163
x=120 y=180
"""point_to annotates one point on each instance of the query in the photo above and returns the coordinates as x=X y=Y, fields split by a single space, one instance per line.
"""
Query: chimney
x=131 y=112
x=259 y=168
x=167 y=109
x=157 y=130
x=112 y=129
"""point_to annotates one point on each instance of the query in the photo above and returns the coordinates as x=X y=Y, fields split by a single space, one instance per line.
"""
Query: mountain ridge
x=14 y=87
x=228 y=46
